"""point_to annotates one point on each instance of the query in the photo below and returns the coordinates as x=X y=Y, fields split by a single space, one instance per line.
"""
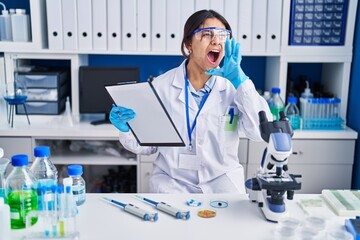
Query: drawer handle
x=33 y=104
x=298 y=153
x=39 y=77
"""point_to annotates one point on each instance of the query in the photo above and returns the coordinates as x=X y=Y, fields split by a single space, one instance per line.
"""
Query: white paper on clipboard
x=152 y=125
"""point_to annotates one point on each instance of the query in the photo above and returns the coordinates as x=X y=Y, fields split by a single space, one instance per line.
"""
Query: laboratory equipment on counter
x=177 y=213
x=19 y=191
x=44 y=171
x=292 y=113
x=269 y=186
x=57 y=219
x=276 y=103
x=78 y=183
x=130 y=208
x=3 y=164
x=15 y=93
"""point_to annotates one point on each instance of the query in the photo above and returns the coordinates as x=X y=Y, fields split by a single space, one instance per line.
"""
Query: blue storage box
x=318 y=22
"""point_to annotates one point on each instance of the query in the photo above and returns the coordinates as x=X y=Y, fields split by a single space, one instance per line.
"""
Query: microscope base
x=270 y=215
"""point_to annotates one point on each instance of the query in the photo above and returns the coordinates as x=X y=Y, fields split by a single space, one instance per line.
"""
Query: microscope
x=271 y=183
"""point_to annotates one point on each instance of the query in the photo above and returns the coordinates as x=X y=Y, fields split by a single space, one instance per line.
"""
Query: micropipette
x=167 y=208
x=134 y=210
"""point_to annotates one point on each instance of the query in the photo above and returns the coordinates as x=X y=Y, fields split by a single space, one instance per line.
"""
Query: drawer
x=311 y=152
x=42 y=108
x=42 y=79
x=47 y=94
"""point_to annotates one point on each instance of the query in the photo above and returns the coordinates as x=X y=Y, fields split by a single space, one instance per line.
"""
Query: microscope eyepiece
x=262 y=117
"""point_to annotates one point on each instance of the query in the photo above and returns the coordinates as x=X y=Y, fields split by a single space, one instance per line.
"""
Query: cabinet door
x=320 y=162
x=16 y=145
x=145 y=173
x=243 y=154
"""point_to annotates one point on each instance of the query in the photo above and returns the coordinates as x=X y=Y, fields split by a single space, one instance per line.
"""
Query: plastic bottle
x=267 y=96
x=20 y=193
x=3 y=165
x=5 y=26
x=292 y=112
x=44 y=171
x=20 y=26
x=305 y=104
x=78 y=185
x=276 y=103
x=4 y=220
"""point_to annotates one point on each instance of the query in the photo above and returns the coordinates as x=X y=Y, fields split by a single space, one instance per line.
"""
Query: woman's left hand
x=231 y=69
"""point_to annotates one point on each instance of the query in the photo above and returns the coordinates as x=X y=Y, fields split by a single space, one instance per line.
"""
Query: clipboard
x=152 y=125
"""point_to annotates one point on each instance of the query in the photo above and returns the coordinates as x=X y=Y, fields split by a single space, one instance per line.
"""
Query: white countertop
x=242 y=219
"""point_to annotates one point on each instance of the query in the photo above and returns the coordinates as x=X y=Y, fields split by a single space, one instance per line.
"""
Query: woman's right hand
x=120 y=116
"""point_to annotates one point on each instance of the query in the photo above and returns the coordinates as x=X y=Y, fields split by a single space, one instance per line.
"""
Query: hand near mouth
x=231 y=69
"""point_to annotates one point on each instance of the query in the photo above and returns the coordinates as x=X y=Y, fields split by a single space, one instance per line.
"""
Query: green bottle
x=20 y=192
x=276 y=103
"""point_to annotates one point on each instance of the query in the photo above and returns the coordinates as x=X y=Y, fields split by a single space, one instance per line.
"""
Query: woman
x=209 y=105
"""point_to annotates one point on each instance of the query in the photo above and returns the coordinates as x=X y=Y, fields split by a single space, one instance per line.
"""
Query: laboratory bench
x=241 y=219
x=320 y=155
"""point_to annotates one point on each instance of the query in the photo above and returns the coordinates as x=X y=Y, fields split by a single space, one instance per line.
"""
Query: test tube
x=54 y=219
x=61 y=204
x=45 y=208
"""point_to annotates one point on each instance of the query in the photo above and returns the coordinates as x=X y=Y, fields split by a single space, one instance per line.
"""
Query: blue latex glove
x=119 y=116
x=231 y=69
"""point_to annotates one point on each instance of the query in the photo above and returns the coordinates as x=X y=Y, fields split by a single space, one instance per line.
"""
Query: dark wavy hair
x=195 y=21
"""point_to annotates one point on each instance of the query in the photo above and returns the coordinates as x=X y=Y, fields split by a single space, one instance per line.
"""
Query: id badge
x=189 y=161
x=231 y=119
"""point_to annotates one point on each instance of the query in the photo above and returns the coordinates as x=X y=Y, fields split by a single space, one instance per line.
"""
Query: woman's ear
x=189 y=48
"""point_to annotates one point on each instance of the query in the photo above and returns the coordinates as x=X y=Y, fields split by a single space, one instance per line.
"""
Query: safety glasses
x=210 y=32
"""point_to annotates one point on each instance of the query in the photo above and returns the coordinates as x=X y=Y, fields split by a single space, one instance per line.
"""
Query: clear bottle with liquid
x=78 y=183
x=44 y=171
x=276 y=103
x=292 y=113
x=20 y=193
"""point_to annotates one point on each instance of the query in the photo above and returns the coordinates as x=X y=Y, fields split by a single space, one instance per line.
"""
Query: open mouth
x=213 y=56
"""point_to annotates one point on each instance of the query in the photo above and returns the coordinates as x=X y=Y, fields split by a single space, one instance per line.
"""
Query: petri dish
x=206 y=213
x=317 y=223
x=289 y=222
x=308 y=233
x=219 y=203
x=284 y=233
x=339 y=235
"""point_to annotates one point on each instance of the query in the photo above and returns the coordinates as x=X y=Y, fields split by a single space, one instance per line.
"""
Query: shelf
x=92 y=159
x=38 y=28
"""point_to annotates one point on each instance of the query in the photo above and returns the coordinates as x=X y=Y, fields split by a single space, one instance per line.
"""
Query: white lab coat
x=213 y=165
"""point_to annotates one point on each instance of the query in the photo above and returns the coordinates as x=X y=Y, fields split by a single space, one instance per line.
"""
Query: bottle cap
x=20 y=11
x=19 y=160
x=275 y=90
x=292 y=99
x=5 y=12
x=2 y=201
x=75 y=170
x=267 y=94
x=42 y=151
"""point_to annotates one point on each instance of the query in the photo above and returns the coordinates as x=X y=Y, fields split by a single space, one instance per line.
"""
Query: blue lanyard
x=190 y=129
